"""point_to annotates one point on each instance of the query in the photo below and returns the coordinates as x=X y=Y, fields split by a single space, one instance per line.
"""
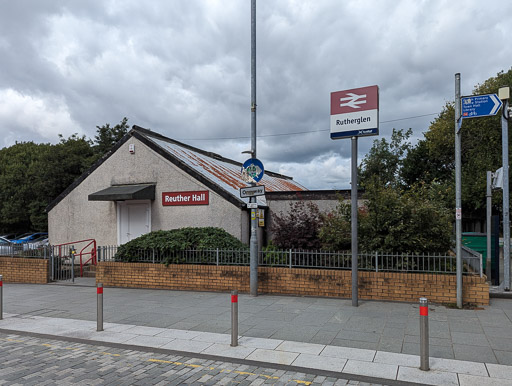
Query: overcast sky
x=182 y=68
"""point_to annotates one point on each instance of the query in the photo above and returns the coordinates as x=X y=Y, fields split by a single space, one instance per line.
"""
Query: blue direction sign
x=480 y=105
x=252 y=170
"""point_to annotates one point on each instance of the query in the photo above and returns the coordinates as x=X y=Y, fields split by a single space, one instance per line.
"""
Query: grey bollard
x=99 y=291
x=234 y=318
x=424 y=341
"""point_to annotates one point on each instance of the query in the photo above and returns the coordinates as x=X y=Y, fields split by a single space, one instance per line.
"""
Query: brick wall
x=405 y=287
x=19 y=270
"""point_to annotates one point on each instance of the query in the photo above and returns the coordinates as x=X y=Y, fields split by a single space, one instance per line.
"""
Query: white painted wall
x=75 y=218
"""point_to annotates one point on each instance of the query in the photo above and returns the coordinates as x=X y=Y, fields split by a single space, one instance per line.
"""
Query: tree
x=404 y=221
x=384 y=161
x=403 y=212
x=16 y=193
x=336 y=230
x=298 y=228
x=32 y=175
x=106 y=137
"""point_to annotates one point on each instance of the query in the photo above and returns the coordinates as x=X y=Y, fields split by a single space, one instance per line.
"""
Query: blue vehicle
x=28 y=237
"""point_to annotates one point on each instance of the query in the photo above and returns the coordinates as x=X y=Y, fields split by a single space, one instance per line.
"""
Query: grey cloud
x=183 y=68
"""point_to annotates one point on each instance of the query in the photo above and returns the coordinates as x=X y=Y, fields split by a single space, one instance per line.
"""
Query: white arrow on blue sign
x=480 y=105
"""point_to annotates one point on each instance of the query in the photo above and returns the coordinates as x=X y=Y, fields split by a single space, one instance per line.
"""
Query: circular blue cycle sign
x=252 y=170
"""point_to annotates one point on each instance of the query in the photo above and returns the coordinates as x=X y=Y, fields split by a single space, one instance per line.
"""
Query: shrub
x=298 y=228
x=170 y=243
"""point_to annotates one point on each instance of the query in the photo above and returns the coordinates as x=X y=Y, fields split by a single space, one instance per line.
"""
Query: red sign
x=185 y=198
x=355 y=100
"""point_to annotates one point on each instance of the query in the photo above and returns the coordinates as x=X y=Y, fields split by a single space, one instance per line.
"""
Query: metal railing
x=87 y=248
x=62 y=256
x=202 y=256
x=374 y=261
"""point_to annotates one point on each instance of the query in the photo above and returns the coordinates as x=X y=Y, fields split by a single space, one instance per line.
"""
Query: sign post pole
x=458 y=192
x=506 y=197
x=353 y=218
x=488 y=225
x=354 y=113
x=254 y=237
x=476 y=106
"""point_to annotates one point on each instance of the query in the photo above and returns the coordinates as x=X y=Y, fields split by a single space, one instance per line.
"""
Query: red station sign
x=185 y=198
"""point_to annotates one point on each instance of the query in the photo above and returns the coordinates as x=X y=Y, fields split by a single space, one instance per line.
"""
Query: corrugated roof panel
x=225 y=174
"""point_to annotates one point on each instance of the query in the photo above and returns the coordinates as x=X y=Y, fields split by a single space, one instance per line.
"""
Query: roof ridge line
x=216 y=156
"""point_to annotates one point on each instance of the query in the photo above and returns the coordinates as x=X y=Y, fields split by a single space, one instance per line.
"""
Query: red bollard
x=99 y=313
x=234 y=318
x=424 y=343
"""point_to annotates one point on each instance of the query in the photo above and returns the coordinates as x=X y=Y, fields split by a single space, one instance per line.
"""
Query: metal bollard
x=234 y=318
x=424 y=342
x=99 y=291
x=1 y=297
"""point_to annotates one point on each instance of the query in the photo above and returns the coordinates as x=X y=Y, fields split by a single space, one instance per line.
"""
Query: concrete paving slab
x=432 y=341
x=390 y=344
x=372 y=369
x=469 y=338
x=116 y=327
x=320 y=362
x=349 y=353
x=393 y=332
x=260 y=333
x=397 y=359
x=355 y=344
x=500 y=342
x=145 y=330
x=499 y=371
x=474 y=353
x=226 y=350
x=80 y=334
x=269 y=344
x=461 y=367
x=466 y=327
x=271 y=356
x=324 y=337
x=503 y=357
x=435 y=351
x=187 y=345
x=213 y=337
x=178 y=334
x=113 y=337
x=359 y=335
x=431 y=377
x=305 y=348
x=472 y=380
x=296 y=334
x=148 y=341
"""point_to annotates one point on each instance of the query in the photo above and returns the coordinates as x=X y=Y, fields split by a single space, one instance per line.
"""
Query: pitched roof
x=220 y=174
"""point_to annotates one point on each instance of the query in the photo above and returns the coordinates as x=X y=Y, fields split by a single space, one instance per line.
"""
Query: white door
x=133 y=220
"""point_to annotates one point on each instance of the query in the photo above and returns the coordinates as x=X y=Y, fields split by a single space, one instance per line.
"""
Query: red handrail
x=92 y=259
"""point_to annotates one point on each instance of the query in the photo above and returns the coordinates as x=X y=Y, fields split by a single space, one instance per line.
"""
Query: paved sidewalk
x=377 y=339
x=342 y=360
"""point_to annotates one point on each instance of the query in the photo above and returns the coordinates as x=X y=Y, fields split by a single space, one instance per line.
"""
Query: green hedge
x=171 y=242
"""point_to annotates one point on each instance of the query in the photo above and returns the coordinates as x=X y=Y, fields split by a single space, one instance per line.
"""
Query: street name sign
x=480 y=105
x=355 y=112
x=252 y=205
x=252 y=170
x=252 y=191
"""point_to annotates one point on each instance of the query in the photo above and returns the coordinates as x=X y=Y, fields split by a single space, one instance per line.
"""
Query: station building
x=149 y=182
